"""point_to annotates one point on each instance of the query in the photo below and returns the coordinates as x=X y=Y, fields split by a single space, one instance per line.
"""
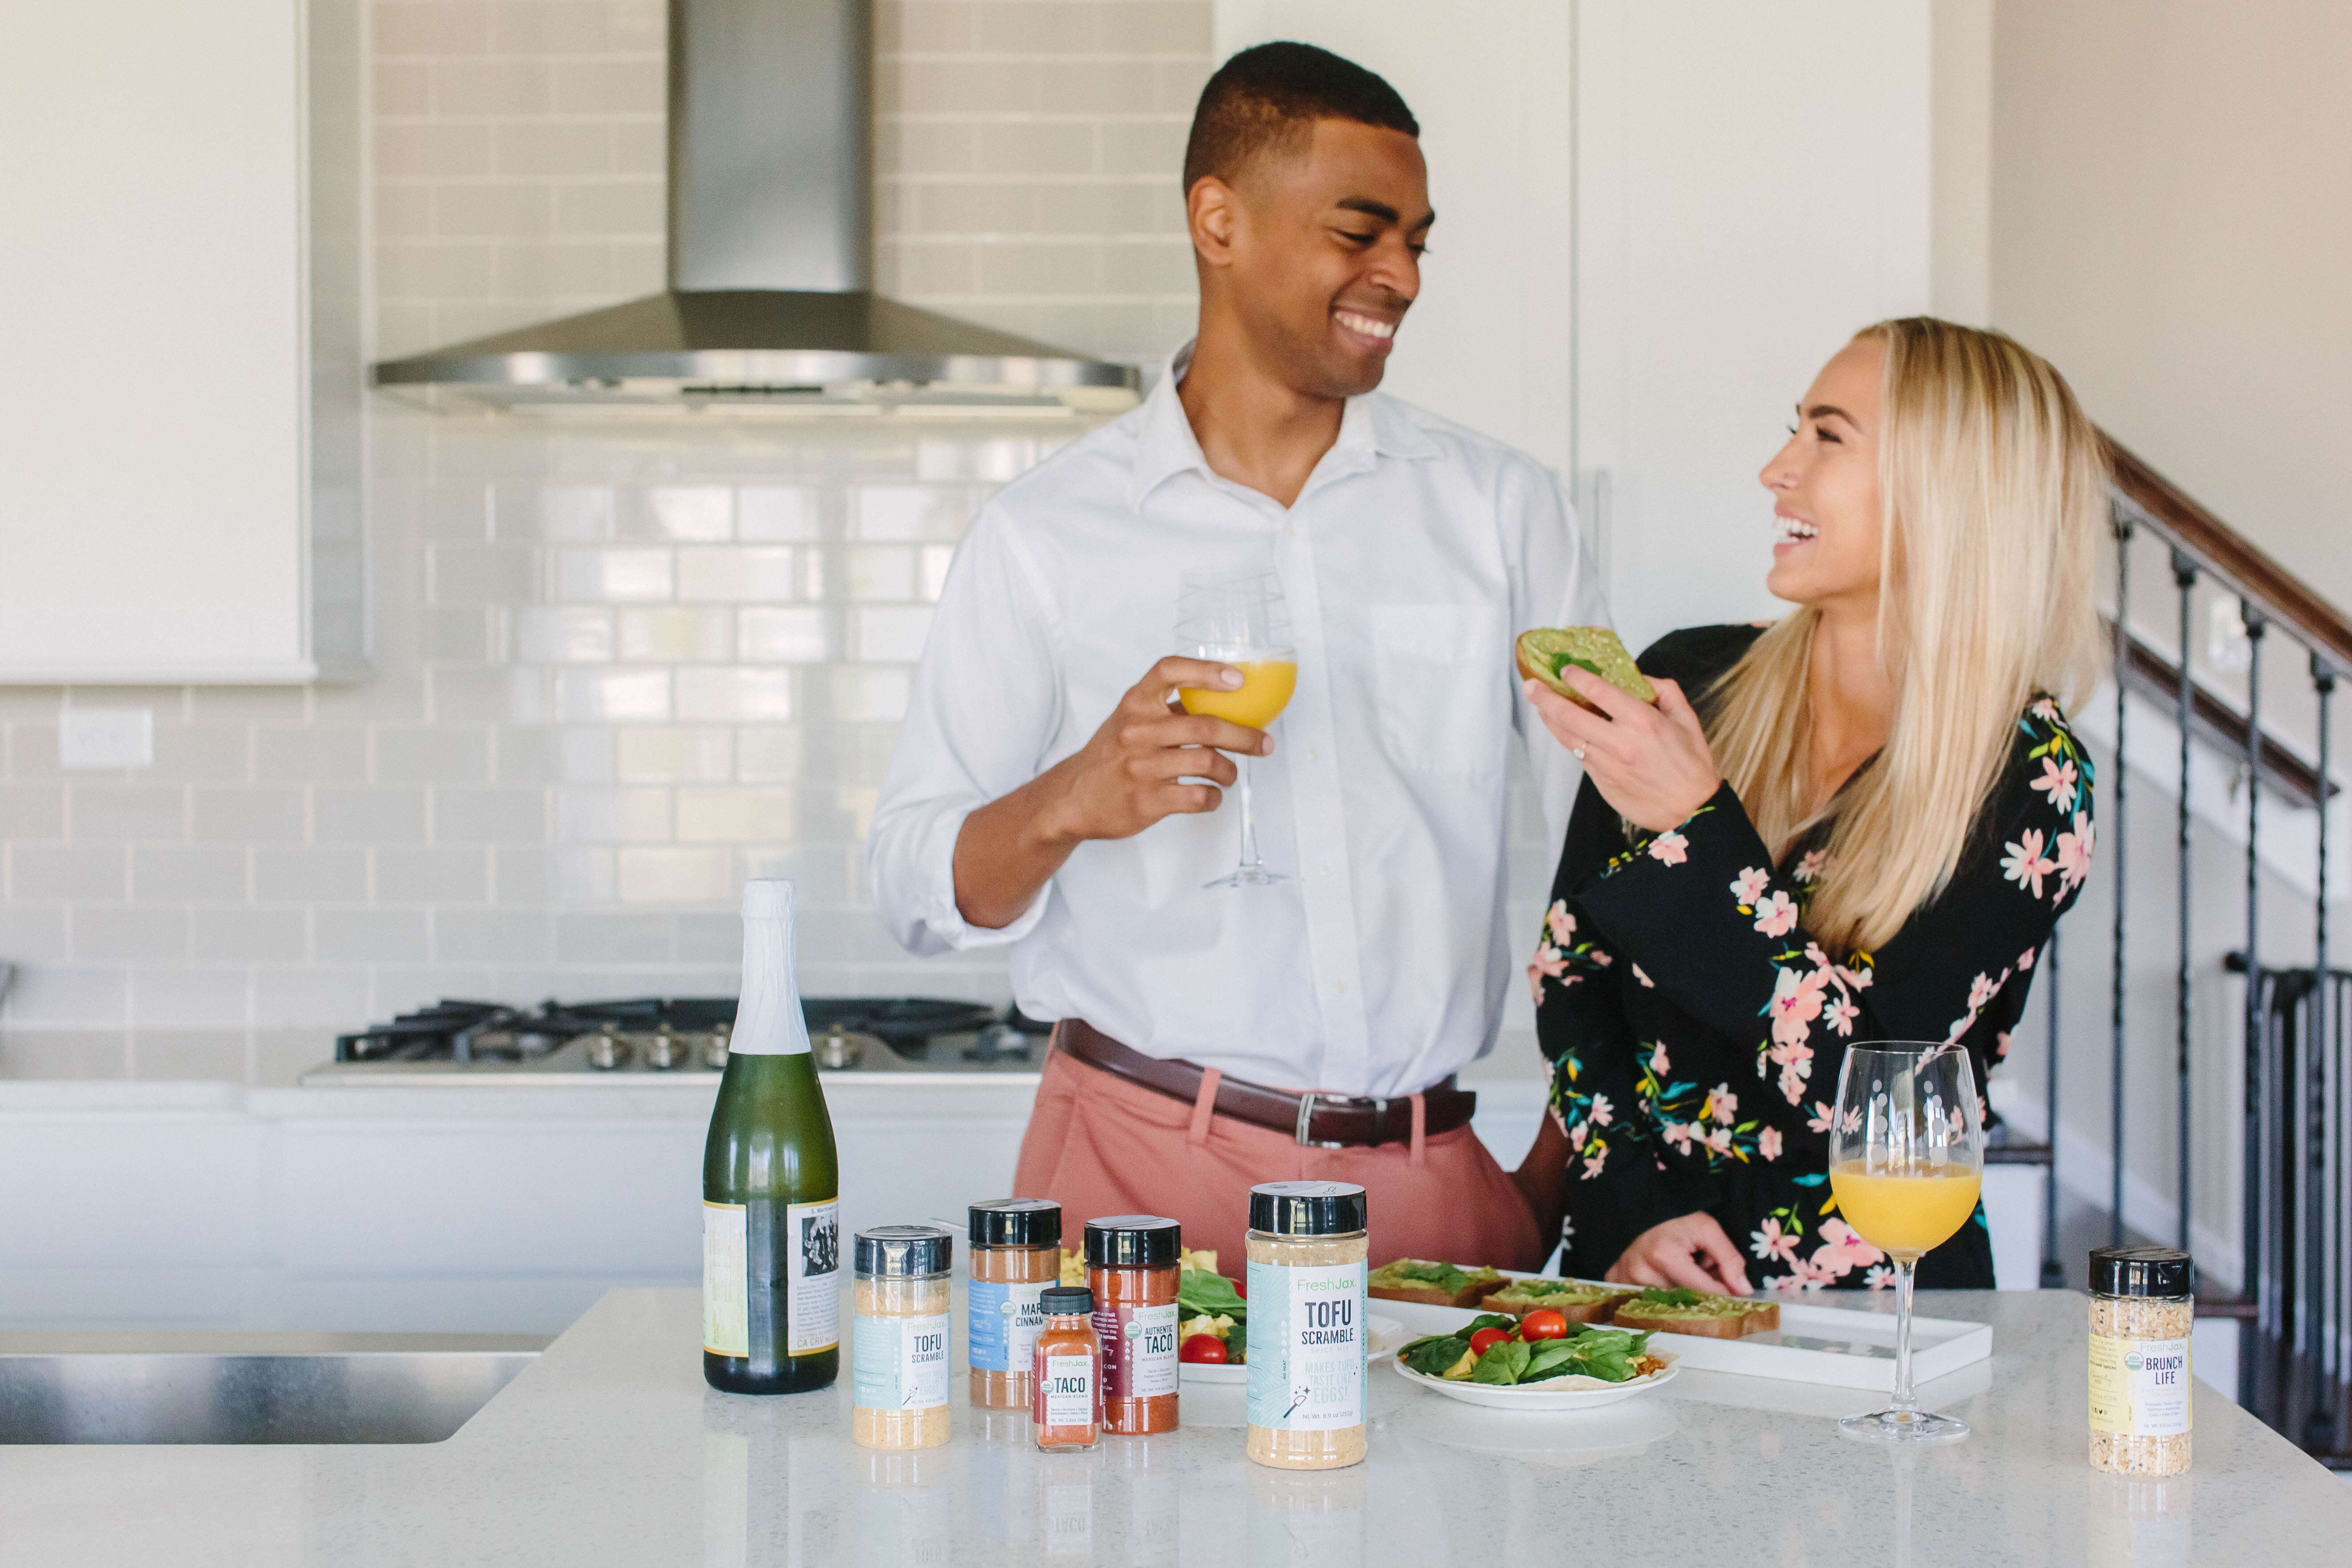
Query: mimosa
x=1265 y=692
x=1905 y=1213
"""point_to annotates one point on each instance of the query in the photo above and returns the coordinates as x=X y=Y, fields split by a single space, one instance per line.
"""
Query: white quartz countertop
x=611 y=1450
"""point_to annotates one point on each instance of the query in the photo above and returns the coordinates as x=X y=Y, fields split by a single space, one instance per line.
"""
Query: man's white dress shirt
x=1412 y=559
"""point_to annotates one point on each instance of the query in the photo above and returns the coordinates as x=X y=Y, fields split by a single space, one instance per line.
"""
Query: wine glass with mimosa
x=1239 y=618
x=1906 y=1161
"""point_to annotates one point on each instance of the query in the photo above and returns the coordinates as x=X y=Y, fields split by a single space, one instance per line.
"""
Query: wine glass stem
x=1902 y=1269
x=1249 y=819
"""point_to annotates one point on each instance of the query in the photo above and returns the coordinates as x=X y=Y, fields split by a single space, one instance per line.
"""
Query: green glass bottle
x=770 y=1185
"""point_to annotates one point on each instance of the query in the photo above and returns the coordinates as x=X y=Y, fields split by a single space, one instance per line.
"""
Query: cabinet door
x=153 y=406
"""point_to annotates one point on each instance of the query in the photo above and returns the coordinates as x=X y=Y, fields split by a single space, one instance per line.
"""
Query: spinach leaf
x=1237 y=1342
x=1502 y=1320
x=1199 y=1292
x=1548 y=1355
x=1680 y=1296
x=1503 y=1363
x=1431 y=1356
x=1608 y=1354
x=1444 y=1276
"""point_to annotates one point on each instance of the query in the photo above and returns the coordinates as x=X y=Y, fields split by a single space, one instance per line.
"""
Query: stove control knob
x=665 y=1050
x=607 y=1052
x=714 y=1046
x=839 y=1050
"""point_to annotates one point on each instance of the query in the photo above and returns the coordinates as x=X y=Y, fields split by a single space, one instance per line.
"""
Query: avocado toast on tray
x=1686 y=1311
x=1432 y=1284
x=1578 y=1300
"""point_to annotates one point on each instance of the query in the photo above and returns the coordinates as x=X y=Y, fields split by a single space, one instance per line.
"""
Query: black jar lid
x=1307 y=1208
x=1016 y=1222
x=1133 y=1241
x=2158 y=1271
x=1066 y=1300
x=904 y=1251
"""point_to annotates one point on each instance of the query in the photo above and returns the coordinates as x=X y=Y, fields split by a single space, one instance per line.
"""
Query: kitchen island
x=612 y=1450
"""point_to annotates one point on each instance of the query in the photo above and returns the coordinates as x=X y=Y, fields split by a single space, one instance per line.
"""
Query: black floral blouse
x=1695 y=1031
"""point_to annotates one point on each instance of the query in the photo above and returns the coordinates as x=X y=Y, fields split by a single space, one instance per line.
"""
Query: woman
x=1861 y=822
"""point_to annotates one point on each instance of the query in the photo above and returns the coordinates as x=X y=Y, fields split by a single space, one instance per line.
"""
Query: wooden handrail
x=2220 y=549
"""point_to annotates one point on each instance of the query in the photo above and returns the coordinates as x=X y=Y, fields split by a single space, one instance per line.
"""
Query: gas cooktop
x=677 y=1039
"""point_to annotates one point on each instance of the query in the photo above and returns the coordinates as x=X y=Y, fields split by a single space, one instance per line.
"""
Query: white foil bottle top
x=767 y=1019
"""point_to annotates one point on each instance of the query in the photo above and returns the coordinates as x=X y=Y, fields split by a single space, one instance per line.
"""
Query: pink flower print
x=1882 y=1278
x=1677 y=1133
x=1750 y=885
x=2057 y=782
x=1670 y=849
x=1722 y=1105
x=1603 y=958
x=1843 y=1249
x=1796 y=1003
x=1772 y=1242
x=2074 y=854
x=1592 y=1161
x=1854 y=1121
x=1821 y=1117
x=1981 y=990
x=1777 y=917
x=2046 y=710
x=1842 y=1015
x=1549 y=963
x=1860 y=976
x=1719 y=1140
x=2025 y=865
x=1658 y=1058
x=1808 y=868
x=1576 y=1135
x=1602 y=1111
x=2001 y=1045
x=1647 y=983
x=1559 y=924
x=2025 y=959
x=1792 y=1082
x=1768 y=1143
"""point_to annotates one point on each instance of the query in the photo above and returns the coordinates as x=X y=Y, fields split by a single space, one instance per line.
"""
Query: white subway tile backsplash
x=32 y=935
x=32 y=811
x=129 y=933
x=908 y=513
x=453 y=875
x=683 y=755
x=368 y=936
x=126 y=811
x=745 y=574
x=737 y=816
x=696 y=514
x=309 y=875
x=613 y=815
x=247 y=816
x=310 y=755
x=206 y=872
x=612 y=574
x=706 y=693
x=38 y=871
x=200 y=755
x=784 y=635
x=776 y=513
x=890 y=634
x=492 y=936
x=316 y=996
x=494 y=816
x=560 y=634
x=65 y=994
x=869 y=693
x=677 y=876
x=251 y=936
x=613 y=694
x=173 y=998
x=569 y=513
x=676 y=635
x=583 y=937
x=193 y=1055
x=769 y=756
x=433 y=754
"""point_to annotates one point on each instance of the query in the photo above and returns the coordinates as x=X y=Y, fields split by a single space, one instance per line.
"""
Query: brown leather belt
x=1312 y=1118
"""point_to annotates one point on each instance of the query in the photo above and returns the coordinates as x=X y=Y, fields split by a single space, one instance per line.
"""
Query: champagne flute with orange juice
x=1239 y=618
x=1906 y=1160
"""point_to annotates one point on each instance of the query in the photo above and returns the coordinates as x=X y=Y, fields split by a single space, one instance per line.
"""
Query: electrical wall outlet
x=106 y=738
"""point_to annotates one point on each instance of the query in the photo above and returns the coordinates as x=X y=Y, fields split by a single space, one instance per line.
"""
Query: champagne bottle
x=770 y=1187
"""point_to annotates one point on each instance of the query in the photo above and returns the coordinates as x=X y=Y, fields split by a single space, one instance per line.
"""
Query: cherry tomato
x=1543 y=1324
x=1486 y=1339
x=1202 y=1348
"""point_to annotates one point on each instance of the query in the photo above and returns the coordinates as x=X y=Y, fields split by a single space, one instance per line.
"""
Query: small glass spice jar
x=1066 y=1371
x=2141 y=1309
x=1016 y=1252
x=1131 y=1270
x=899 y=1344
x=1308 y=1338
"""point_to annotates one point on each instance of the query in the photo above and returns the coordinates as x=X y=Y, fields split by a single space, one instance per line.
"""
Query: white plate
x=1387 y=1335
x=1552 y=1393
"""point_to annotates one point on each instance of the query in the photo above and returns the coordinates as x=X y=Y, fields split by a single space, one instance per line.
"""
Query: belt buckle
x=1306 y=1120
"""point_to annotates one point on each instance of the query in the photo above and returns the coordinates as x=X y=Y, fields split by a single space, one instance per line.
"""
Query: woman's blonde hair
x=1994 y=487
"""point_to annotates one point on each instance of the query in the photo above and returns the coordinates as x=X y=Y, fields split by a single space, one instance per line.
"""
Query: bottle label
x=2139 y=1388
x=1001 y=1325
x=1068 y=1391
x=1307 y=1346
x=1139 y=1351
x=813 y=1273
x=726 y=1286
x=899 y=1363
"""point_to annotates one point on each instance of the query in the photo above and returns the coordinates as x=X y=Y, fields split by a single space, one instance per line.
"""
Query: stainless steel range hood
x=771 y=301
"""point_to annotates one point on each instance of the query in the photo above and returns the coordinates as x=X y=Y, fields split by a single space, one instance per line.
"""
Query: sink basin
x=251 y=1388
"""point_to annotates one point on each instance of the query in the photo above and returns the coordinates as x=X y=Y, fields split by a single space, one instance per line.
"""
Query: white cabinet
x=178 y=489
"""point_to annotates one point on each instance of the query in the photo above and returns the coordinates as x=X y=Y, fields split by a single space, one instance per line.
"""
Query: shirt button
x=1314 y=754
x=1339 y=988
x=1289 y=531
x=1322 y=868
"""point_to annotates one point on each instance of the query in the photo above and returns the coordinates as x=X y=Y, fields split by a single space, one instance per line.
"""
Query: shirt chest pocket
x=1444 y=694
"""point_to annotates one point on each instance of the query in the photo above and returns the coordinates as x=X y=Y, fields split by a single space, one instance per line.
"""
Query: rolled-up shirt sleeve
x=983 y=711
x=1553 y=583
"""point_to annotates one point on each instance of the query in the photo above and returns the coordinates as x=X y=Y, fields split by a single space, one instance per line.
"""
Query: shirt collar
x=1372 y=427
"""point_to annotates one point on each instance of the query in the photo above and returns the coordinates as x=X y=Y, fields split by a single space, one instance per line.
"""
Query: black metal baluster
x=2054 y=1273
x=2184 y=577
x=2327 y=1201
x=2122 y=527
x=2259 y=1277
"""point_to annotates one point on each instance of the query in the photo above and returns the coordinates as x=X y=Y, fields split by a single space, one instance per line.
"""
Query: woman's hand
x=1652 y=764
x=1691 y=1251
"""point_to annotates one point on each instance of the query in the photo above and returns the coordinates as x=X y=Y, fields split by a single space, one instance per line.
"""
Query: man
x=1038 y=799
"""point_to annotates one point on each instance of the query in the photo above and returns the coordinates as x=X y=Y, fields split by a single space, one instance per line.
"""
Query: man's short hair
x=1267 y=99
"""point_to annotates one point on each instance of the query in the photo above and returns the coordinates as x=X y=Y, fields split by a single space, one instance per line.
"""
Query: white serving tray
x=1842 y=1346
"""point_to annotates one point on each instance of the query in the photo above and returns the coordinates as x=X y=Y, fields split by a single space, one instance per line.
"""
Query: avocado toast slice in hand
x=1545 y=652
x=1686 y=1311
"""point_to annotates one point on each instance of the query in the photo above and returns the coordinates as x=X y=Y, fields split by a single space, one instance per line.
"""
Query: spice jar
x=1131 y=1269
x=2141 y=1309
x=1066 y=1371
x=1308 y=1339
x=898 y=1344
x=1016 y=1252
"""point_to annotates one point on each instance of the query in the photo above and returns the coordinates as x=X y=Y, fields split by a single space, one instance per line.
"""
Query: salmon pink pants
x=1098 y=1145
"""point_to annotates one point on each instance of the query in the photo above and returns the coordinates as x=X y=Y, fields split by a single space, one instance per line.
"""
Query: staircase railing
x=2296 y=1341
